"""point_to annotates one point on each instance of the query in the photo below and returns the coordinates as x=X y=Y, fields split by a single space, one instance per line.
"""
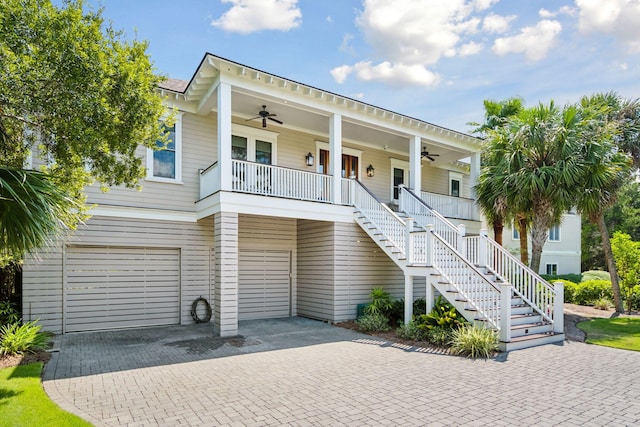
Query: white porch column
x=335 y=153
x=475 y=173
x=408 y=298
x=415 y=170
x=224 y=136
x=225 y=300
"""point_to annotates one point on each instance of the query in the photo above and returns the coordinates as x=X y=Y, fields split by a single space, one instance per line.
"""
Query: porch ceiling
x=246 y=104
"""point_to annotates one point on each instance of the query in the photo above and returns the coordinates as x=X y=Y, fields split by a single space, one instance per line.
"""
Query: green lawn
x=23 y=402
x=619 y=332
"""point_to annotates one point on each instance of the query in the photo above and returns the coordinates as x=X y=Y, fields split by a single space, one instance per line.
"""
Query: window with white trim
x=253 y=145
x=455 y=184
x=552 y=269
x=554 y=233
x=165 y=163
x=515 y=233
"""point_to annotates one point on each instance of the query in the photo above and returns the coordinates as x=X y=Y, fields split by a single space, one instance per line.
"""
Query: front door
x=399 y=175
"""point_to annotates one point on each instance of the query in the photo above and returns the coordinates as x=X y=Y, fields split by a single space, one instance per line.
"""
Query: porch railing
x=451 y=207
x=209 y=182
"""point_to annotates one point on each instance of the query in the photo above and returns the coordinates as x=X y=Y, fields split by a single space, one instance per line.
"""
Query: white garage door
x=117 y=287
x=263 y=284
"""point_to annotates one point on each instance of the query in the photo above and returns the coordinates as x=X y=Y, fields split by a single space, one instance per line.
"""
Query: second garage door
x=121 y=287
x=264 y=289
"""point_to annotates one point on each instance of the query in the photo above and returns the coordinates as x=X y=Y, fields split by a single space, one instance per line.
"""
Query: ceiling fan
x=428 y=155
x=264 y=114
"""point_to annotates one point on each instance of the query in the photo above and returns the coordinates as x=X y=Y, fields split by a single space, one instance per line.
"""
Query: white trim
x=254 y=134
x=143 y=213
x=178 y=151
x=455 y=176
x=559 y=235
x=321 y=145
x=399 y=164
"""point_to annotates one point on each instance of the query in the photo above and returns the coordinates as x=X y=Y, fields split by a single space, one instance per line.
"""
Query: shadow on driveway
x=92 y=353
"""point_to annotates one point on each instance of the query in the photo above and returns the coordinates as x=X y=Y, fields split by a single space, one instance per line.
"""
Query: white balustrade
x=451 y=207
x=269 y=180
x=525 y=282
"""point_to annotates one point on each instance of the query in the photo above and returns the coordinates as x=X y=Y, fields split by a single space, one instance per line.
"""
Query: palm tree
x=33 y=209
x=489 y=190
x=535 y=149
x=605 y=168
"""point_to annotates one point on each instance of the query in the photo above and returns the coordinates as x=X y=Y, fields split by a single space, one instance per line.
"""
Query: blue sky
x=436 y=60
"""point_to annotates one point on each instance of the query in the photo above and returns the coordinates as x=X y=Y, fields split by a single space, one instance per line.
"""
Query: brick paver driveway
x=301 y=372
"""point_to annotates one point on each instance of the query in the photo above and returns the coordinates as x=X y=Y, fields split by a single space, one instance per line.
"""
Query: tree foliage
x=73 y=84
x=81 y=97
x=627 y=255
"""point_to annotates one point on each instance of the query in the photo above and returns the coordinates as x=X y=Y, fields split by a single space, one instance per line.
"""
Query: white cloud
x=497 y=24
x=247 y=16
x=341 y=73
x=411 y=32
x=564 y=10
x=329 y=19
x=345 y=46
x=534 y=42
x=396 y=74
x=471 y=48
x=617 y=17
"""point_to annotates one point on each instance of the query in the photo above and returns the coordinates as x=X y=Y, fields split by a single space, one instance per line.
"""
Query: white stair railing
x=393 y=228
x=528 y=285
x=478 y=292
x=424 y=215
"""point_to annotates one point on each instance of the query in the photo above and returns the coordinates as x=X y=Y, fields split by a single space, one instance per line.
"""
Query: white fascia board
x=272 y=206
x=143 y=213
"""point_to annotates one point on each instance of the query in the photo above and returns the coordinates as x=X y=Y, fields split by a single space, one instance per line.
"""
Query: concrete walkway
x=302 y=372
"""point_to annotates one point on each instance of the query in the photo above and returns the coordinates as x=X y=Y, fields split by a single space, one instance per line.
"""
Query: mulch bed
x=24 y=359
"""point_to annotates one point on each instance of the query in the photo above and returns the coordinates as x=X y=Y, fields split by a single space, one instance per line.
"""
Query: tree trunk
x=524 y=240
x=538 y=239
x=497 y=232
x=611 y=263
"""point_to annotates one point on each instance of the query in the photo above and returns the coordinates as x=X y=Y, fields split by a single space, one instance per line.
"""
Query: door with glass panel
x=248 y=174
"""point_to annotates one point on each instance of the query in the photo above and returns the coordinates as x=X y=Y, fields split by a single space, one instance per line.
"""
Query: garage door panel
x=117 y=287
x=263 y=284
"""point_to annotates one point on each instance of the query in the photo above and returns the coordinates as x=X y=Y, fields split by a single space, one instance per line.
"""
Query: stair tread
x=530 y=325
x=534 y=336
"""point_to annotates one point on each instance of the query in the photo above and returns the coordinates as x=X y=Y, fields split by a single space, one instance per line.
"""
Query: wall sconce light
x=309 y=159
x=370 y=171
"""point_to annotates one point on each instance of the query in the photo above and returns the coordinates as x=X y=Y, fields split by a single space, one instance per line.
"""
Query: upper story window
x=253 y=145
x=554 y=233
x=165 y=164
x=515 y=232
x=455 y=184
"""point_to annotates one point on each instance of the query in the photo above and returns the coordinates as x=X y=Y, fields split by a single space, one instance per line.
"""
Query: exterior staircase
x=485 y=283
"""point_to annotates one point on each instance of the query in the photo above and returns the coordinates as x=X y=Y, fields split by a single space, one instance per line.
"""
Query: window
x=349 y=166
x=455 y=184
x=554 y=233
x=552 y=269
x=515 y=235
x=253 y=145
x=165 y=164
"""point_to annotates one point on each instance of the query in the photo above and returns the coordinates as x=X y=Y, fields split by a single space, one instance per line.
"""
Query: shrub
x=373 y=323
x=575 y=278
x=410 y=331
x=595 y=275
x=474 y=341
x=381 y=302
x=18 y=339
x=8 y=314
x=443 y=314
x=633 y=299
x=590 y=291
x=396 y=314
x=602 y=304
x=439 y=335
x=570 y=289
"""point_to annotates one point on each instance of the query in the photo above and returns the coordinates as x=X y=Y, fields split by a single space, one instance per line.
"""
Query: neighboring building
x=271 y=201
x=561 y=253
